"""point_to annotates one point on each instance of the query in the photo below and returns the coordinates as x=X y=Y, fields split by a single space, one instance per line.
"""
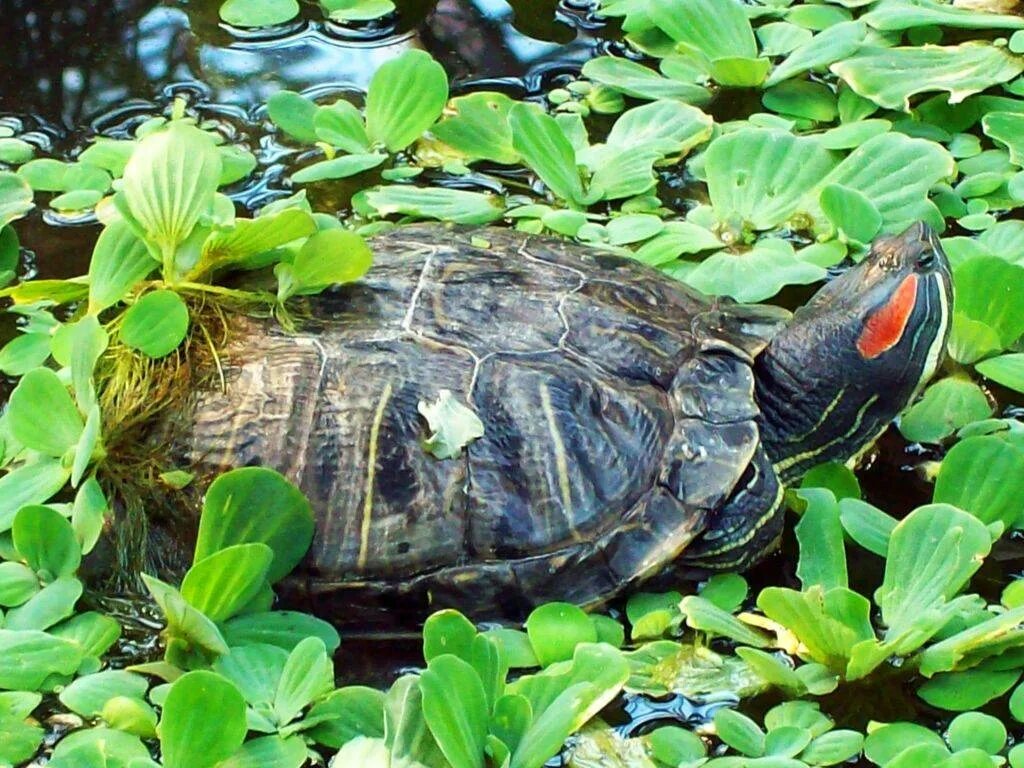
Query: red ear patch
x=885 y=327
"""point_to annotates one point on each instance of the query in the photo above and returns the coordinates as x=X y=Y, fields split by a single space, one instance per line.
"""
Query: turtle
x=630 y=423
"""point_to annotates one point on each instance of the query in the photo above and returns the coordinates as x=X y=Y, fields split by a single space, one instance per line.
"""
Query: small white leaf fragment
x=452 y=424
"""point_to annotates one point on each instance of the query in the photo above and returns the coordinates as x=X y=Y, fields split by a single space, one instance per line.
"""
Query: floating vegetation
x=740 y=148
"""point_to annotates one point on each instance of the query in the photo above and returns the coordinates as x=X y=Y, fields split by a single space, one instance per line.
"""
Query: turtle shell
x=617 y=406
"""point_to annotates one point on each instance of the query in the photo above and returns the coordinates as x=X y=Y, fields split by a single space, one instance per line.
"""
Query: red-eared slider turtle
x=627 y=420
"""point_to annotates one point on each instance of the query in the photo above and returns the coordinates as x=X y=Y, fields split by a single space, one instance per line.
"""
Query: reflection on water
x=70 y=61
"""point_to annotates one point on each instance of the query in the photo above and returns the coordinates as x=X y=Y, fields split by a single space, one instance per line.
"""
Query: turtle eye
x=926 y=259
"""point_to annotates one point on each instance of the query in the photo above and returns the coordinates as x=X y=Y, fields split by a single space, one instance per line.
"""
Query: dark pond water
x=72 y=69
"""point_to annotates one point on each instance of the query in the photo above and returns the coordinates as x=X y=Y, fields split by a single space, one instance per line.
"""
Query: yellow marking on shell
x=561 y=461
x=786 y=463
x=371 y=473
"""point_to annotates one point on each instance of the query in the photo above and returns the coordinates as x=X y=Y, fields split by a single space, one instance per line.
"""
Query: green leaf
x=88 y=695
x=308 y=675
x=458 y=723
x=543 y=146
x=15 y=151
x=668 y=127
x=556 y=629
x=685 y=21
x=330 y=257
x=967 y=690
x=932 y=554
x=888 y=741
x=758 y=176
x=341 y=125
x=100 y=748
x=24 y=352
x=834 y=476
x=255 y=505
x=120 y=260
x=15 y=197
x=223 y=583
x=983 y=475
x=45 y=539
x=740 y=732
x=976 y=730
x=39 y=656
x=168 y=184
x=272 y=752
x=33 y=483
x=241 y=246
x=184 y=621
x=564 y=697
x=894 y=172
x=89 y=514
x=54 y=603
x=111 y=155
x=452 y=425
x=869 y=526
x=88 y=341
x=18 y=583
x=802 y=99
x=1006 y=128
x=357 y=10
x=405 y=97
x=156 y=324
x=894 y=15
x=42 y=416
x=835 y=43
x=258 y=13
x=1000 y=311
x=91 y=632
x=753 y=275
x=339 y=168
x=455 y=205
x=345 y=714
x=1007 y=370
x=448 y=631
x=10 y=250
x=946 y=406
x=851 y=212
x=284 y=629
x=294 y=114
x=890 y=76
x=634 y=79
x=726 y=590
x=703 y=615
x=479 y=129
x=820 y=533
x=189 y=737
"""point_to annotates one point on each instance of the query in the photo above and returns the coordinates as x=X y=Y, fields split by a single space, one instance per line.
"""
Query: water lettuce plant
x=741 y=157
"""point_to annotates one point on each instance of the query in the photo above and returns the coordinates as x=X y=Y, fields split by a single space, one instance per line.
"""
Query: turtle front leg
x=746 y=527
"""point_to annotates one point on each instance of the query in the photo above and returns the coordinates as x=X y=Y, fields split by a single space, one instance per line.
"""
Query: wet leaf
x=15 y=198
x=867 y=525
x=989 y=294
x=946 y=406
x=243 y=245
x=555 y=629
x=545 y=148
x=156 y=324
x=294 y=114
x=330 y=257
x=753 y=275
x=339 y=168
x=42 y=416
x=189 y=737
x=308 y=675
x=357 y=10
x=820 y=535
x=224 y=582
x=1008 y=129
x=258 y=13
x=88 y=695
x=890 y=76
x=120 y=260
x=455 y=205
x=405 y=98
x=284 y=629
x=1007 y=370
x=967 y=690
x=983 y=475
x=835 y=43
x=891 y=15
x=255 y=505
x=32 y=483
x=479 y=129
x=46 y=541
x=634 y=79
x=452 y=425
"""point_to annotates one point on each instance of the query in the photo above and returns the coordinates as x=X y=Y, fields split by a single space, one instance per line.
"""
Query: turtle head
x=855 y=355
